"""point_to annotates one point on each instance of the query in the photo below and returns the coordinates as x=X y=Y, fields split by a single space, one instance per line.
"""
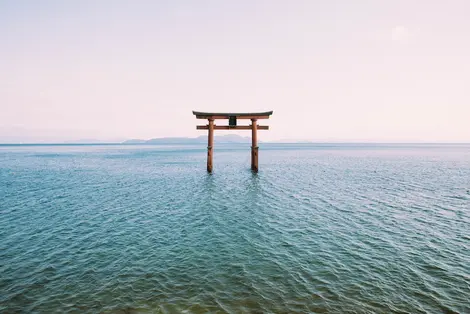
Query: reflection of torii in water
x=232 y=117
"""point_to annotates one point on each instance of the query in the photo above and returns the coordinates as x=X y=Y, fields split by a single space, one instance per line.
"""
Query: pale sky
x=376 y=70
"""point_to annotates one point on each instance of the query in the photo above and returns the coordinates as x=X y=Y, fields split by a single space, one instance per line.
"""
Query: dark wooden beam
x=228 y=117
x=233 y=114
x=227 y=127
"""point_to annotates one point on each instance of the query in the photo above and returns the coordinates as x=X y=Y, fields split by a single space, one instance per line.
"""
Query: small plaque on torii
x=232 y=121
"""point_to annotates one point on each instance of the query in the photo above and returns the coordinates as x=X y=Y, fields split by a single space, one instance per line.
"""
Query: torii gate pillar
x=210 y=145
x=254 y=145
x=233 y=117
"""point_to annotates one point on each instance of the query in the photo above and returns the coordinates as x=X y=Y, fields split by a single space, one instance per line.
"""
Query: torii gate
x=233 y=117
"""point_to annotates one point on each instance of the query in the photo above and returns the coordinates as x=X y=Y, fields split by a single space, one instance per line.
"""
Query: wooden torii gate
x=233 y=117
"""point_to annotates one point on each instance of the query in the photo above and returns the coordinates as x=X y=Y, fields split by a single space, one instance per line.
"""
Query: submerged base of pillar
x=209 y=159
x=254 y=158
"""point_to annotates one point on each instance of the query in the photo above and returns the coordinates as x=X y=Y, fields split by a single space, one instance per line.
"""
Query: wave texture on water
x=144 y=229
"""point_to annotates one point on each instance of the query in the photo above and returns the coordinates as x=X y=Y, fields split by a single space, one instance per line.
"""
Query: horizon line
x=77 y=143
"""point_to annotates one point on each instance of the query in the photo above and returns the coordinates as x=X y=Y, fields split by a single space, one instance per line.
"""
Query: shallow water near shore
x=321 y=228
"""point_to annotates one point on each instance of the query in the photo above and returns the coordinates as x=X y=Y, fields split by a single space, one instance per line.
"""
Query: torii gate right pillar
x=254 y=145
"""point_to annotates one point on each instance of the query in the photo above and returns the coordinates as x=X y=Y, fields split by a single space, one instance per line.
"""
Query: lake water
x=321 y=228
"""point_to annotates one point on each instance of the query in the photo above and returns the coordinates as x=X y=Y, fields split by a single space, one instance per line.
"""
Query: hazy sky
x=360 y=70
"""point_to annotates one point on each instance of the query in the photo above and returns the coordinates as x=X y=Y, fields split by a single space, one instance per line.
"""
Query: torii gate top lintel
x=226 y=115
x=233 y=117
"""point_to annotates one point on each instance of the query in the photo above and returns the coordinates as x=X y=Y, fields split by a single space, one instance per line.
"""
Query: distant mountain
x=293 y=141
x=134 y=141
x=172 y=140
x=92 y=141
x=229 y=138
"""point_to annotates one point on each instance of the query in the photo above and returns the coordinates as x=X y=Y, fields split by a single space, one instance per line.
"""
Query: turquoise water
x=321 y=228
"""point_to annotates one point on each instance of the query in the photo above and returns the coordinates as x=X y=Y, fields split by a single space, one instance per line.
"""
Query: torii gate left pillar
x=233 y=117
x=254 y=145
x=210 y=145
